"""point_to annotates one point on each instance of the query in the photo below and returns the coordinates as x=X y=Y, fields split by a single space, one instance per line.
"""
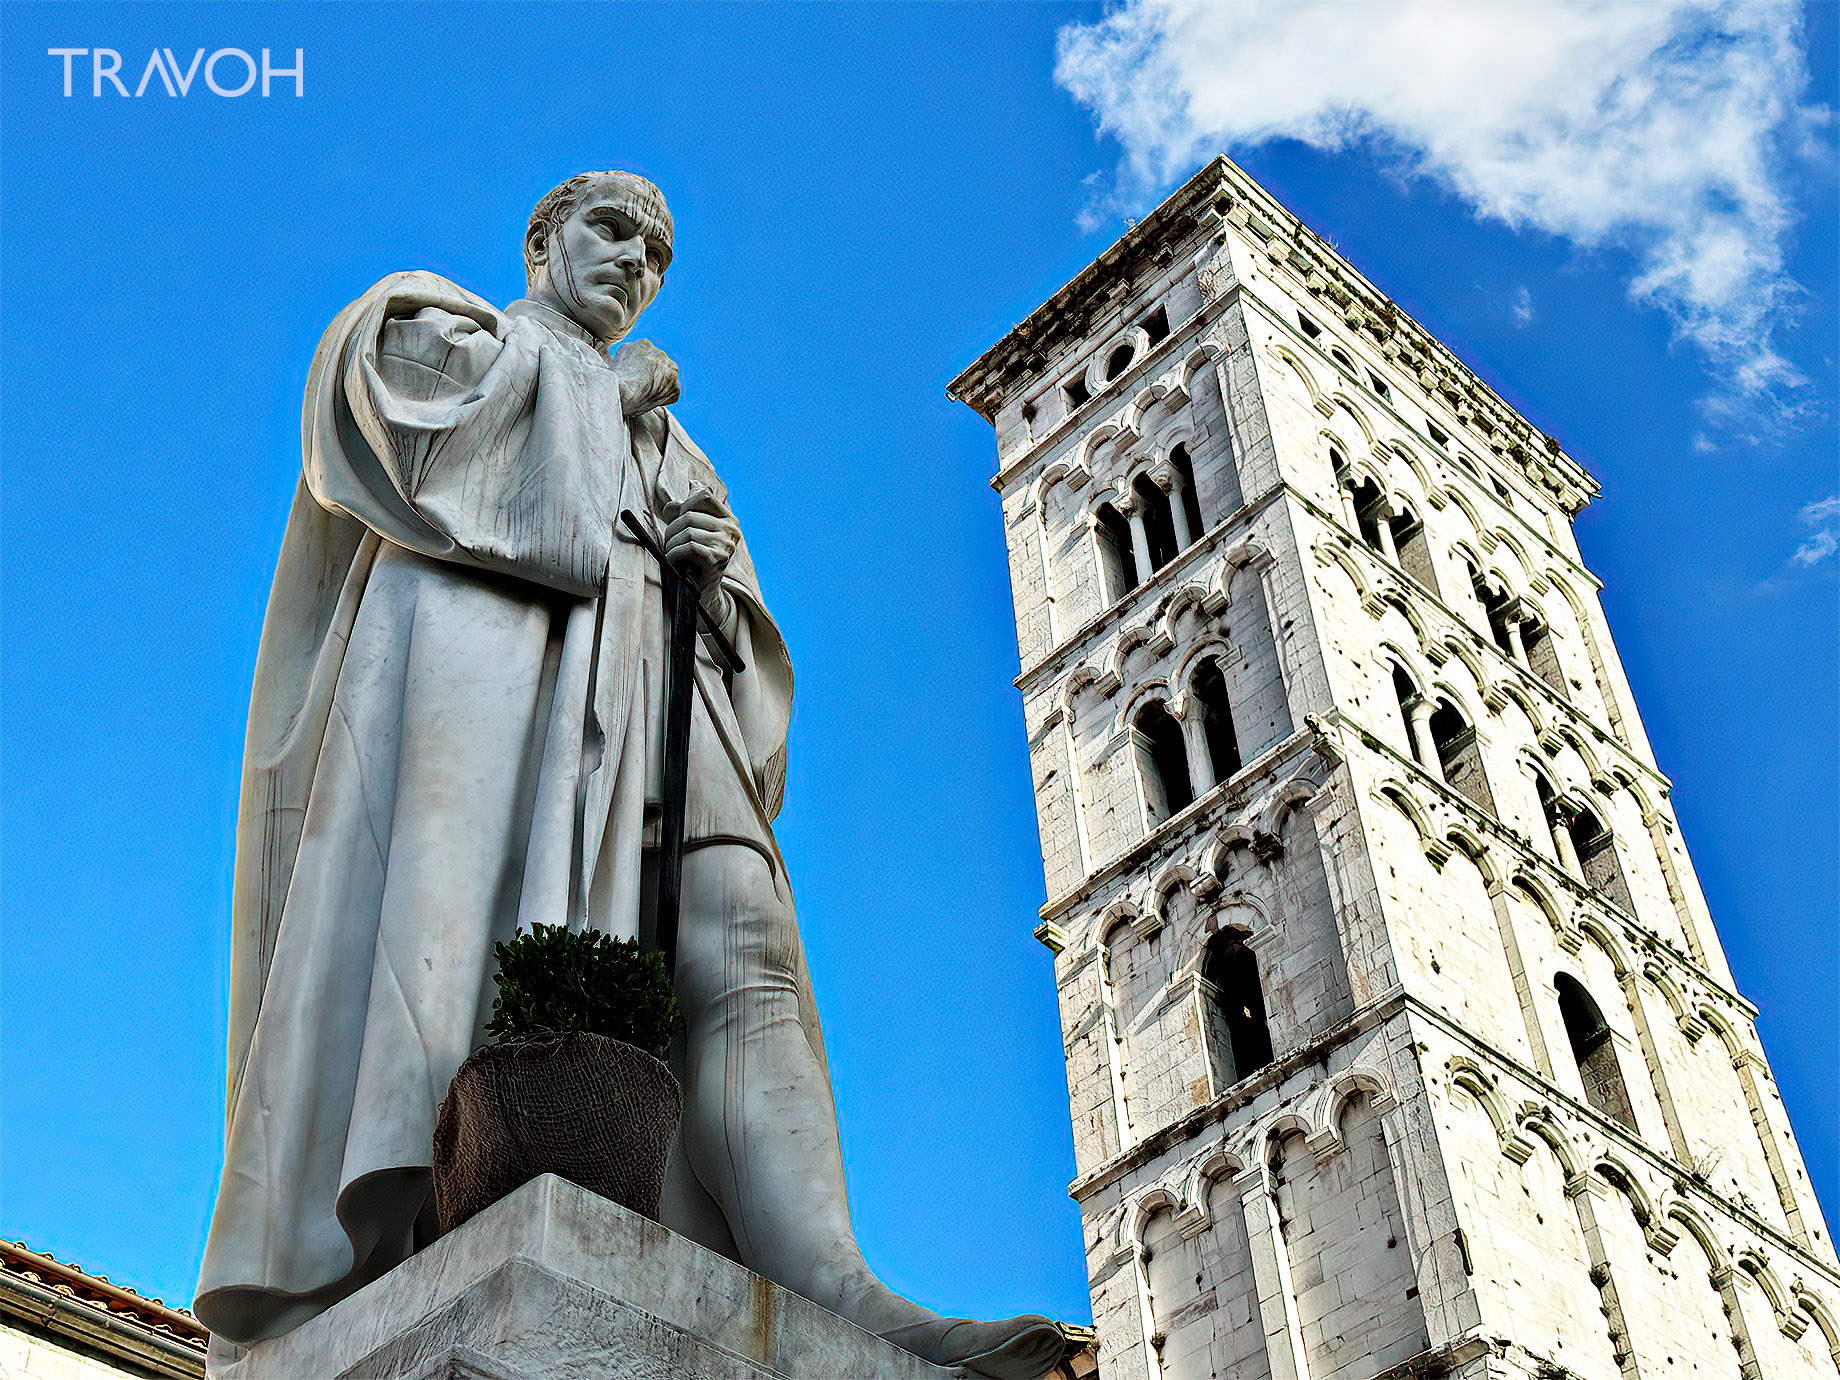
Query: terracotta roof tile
x=20 y=1262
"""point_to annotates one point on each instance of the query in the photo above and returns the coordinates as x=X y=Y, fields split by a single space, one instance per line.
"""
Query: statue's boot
x=1019 y=1348
x=760 y=1125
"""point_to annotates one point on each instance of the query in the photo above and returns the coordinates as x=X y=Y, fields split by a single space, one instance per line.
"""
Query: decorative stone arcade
x=1398 y=1037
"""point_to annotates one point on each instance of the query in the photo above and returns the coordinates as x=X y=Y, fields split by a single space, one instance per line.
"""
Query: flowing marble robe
x=455 y=731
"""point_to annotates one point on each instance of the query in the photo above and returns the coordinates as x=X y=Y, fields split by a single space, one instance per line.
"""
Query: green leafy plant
x=554 y=979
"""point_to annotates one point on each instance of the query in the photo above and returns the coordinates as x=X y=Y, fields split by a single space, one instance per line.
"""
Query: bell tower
x=1399 y=1039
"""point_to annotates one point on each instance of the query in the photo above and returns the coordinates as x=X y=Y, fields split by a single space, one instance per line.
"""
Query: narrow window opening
x=1501 y=491
x=1378 y=384
x=1596 y=851
x=1116 y=558
x=1414 y=551
x=1543 y=656
x=1495 y=609
x=1118 y=361
x=1594 y=1051
x=1342 y=359
x=1437 y=433
x=1369 y=504
x=1210 y=688
x=1156 y=325
x=1077 y=392
x=1231 y=969
x=1163 y=760
x=1310 y=328
x=1191 y=498
x=1407 y=695
x=1159 y=526
x=1555 y=819
x=1459 y=756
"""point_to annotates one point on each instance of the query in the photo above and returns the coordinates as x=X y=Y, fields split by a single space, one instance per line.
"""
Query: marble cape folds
x=454 y=730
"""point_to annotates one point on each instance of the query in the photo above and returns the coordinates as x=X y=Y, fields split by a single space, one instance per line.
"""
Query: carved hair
x=641 y=200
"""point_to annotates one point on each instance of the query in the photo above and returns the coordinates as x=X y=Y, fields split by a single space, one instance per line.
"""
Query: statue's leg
x=761 y=1127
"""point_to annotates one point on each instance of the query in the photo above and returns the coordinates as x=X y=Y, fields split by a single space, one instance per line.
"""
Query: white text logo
x=226 y=72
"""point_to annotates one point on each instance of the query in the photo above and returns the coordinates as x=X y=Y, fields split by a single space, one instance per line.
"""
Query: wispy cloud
x=1823 y=520
x=1662 y=128
x=1523 y=306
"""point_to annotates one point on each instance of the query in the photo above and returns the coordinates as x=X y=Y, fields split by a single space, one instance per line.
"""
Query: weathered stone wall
x=1428 y=710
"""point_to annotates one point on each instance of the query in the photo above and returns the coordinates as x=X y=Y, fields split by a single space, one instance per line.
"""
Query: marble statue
x=454 y=732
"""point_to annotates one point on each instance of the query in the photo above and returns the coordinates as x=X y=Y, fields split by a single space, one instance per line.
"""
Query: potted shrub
x=574 y=1082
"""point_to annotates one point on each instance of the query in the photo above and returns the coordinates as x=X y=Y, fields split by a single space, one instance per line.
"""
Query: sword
x=684 y=601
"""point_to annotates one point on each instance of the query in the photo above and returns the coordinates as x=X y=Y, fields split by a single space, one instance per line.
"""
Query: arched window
x=1341 y=357
x=1159 y=526
x=1369 y=512
x=1408 y=697
x=1594 y=1051
x=1495 y=609
x=1116 y=559
x=1209 y=689
x=1414 y=551
x=1191 y=499
x=1458 y=756
x=1597 y=859
x=1241 y=1040
x=1163 y=762
x=1118 y=361
x=1555 y=823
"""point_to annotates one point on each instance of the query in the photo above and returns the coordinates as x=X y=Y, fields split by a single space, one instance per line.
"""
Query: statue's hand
x=700 y=537
x=647 y=377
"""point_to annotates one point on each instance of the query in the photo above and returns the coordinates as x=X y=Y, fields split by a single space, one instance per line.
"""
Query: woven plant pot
x=595 y=1111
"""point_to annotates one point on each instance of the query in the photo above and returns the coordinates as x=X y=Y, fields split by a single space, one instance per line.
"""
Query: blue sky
x=866 y=197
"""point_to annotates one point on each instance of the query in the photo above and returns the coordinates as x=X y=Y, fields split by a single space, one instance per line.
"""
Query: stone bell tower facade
x=1399 y=1040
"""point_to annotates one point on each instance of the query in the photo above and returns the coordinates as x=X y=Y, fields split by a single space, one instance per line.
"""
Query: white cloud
x=1823 y=516
x=1523 y=306
x=1661 y=128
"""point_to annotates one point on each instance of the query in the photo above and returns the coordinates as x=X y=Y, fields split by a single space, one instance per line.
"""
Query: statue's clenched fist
x=700 y=537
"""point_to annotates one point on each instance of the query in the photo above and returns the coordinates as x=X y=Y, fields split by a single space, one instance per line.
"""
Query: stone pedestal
x=555 y=1283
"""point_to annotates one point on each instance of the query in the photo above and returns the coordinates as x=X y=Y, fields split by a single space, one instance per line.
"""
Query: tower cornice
x=1221 y=193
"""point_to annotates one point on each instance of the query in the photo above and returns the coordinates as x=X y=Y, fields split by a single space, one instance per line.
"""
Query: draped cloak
x=454 y=732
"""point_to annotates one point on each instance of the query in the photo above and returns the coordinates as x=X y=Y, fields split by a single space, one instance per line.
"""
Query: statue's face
x=601 y=271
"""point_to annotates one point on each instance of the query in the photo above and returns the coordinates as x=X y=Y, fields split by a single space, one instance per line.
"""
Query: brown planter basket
x=596 y=1111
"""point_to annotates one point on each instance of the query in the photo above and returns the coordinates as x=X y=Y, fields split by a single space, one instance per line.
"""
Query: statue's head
x=597 y=249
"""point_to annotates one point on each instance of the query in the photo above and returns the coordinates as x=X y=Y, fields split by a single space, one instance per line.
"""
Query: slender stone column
x=1345 y=493
x=1178 y=513
x=1517 y=971
x=1747 y=1064
x=1517 y=634
x=1140 y=543
x=1676 y=889
x=1583 y=1190
x=1419 y=713
x=1271 y=1278
x=1657 y=1071
x=1193 y=719
x=1383 y=522
x=1562 y=841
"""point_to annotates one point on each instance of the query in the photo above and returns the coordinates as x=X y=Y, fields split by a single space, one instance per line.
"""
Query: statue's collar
x=556 y=321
